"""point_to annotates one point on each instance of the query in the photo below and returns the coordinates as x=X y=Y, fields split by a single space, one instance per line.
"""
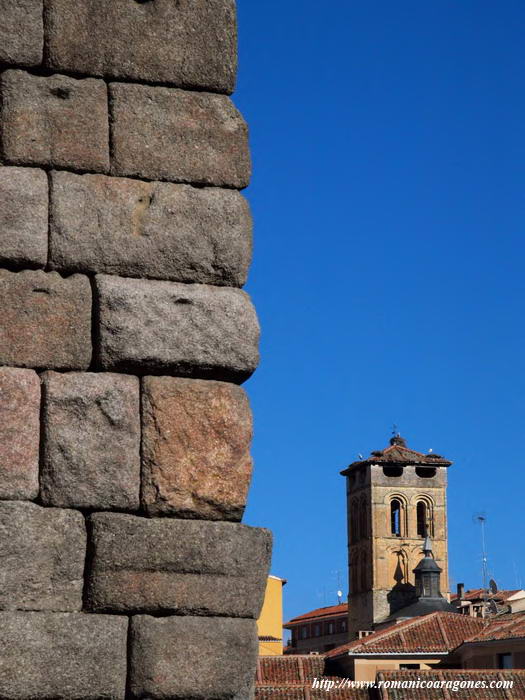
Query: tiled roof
x=477 y=594
x=319 y=614
x=517 y=692
x=289 y=670
x=398 y=453
x=438 y=632
x=508 y=626
x=306 y=692
x=290 y=678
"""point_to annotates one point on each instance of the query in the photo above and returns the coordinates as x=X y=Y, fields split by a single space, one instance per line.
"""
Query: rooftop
x=477 y=594
x=435 y=633
x=507 y=626
x=517 y=692
x=289 y=670
x=319 y=614
x=290 y=678
x=399 y=454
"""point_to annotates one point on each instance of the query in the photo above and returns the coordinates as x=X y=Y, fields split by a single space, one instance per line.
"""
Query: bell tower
x=395 y=499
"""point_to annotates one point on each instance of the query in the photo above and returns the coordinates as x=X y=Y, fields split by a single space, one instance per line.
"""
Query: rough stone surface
x=55 y=121
x=42 y=551
x=21 y=32
x=65 y=656
x=195 y=448
x=164 y=650
x=195 y=330
x=19 y=433
x=168 y=134
x=91 y=441
x=149 y=229
x=45 y=320
x=23 y=216
x=183 y=566
x=191 y=43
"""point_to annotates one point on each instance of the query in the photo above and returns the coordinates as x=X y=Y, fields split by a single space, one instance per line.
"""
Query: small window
x=393 y=471
x=304 y=632
x=505 y=661
x=426 y=472
x=342 y=626
x=395 y=517
x=331 y=628
x=317 y=630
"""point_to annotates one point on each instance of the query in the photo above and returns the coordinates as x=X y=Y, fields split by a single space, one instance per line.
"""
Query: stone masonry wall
x=124 y=335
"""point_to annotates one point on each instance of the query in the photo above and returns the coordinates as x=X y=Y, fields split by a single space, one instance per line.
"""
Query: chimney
x=461 y=591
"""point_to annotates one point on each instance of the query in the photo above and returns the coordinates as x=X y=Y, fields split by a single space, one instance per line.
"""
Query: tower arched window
x=364 y=571
x=363 y=519
x=424 y=518
x=354 y=567
x=354 y=521
x=395 y=517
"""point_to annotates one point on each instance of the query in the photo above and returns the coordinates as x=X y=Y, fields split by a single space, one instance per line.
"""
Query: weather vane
x=395 y=431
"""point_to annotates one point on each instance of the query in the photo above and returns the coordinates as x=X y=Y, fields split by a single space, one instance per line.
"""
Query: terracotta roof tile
x=437 y=632
x=477 y=594
x=306 y=692
x=414 y=693
x=319 y=614
x=289 y=670
x=508 y=626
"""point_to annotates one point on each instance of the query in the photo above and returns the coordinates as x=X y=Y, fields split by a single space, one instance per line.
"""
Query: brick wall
x=124 y=335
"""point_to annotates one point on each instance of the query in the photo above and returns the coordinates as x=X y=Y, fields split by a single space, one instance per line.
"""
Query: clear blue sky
x=389 y=204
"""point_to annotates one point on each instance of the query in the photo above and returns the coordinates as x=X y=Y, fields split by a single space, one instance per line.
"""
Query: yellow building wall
x=270 y=622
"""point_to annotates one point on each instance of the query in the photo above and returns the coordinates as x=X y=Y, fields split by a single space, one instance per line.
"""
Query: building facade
x=395 y=498
x=319 y=630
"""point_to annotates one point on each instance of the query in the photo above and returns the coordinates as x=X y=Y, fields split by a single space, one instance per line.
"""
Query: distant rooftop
x=437 y=632
x=319 y=614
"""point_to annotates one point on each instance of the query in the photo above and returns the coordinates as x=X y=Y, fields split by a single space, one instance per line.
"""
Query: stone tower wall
x=124 y=335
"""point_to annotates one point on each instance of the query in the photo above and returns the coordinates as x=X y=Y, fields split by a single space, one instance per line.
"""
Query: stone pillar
x=124 y=335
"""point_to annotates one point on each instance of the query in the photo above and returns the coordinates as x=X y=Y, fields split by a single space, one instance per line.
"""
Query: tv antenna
x=492 y=607
x=337 y=574
x=481 y=519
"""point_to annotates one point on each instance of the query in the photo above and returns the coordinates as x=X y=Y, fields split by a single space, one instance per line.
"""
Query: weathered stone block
x=21 y=32
x=168 y=134
x=195 y=330
x=195 y=448
x=45 y=320
x=149 y=229
x=91 y=441
x=164 y=650
x=190 y=44
x=70 y=656
x=19 y=433
x=23 y=216
x=183 y=566
x=56 y=120
x=42 y=551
